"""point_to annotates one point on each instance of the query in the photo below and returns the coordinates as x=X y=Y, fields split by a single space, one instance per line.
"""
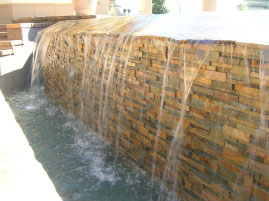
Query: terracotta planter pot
x=209 y=5
x=85 y=7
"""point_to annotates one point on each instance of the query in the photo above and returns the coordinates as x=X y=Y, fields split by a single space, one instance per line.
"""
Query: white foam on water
x=91 y=148
x=67 y=125
x=31 y=107
x=72 y=125
x=51 y=111
x=100 y=171
x=70 y=116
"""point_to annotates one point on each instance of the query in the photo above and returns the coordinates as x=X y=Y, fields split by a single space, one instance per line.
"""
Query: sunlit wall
x=192 y=6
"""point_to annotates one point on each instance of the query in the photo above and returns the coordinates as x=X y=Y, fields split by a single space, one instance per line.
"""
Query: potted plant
x=84 y=7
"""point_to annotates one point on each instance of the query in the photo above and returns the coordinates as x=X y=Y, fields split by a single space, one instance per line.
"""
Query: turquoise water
x=80 y=164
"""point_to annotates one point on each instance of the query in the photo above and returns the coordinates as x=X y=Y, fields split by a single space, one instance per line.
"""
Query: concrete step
x=5 y=42
x=10 y=35
x=9 y=26
x=14 y=31
x=5 y=48
x=6 y=52
x=3 y=35
x=5 y=45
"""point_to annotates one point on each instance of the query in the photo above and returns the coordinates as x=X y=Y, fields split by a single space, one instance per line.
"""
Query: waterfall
x=184 y=97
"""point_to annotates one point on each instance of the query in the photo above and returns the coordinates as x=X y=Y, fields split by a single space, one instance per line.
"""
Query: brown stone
x=235 y=157
x=236 y=134
x=215 y=75
x=225 y=97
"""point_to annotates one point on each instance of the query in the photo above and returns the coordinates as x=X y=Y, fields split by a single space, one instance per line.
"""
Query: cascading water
x=186 y=99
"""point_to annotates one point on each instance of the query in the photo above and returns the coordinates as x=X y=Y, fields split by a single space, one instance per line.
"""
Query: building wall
x=22 y=10
x=12 y=9
x=196 y=110
x=102 y=7
x=6 y=13
x=196 y=6
x=146 y=7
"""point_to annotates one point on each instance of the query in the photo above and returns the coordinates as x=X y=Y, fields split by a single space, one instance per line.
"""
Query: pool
x=80 y=164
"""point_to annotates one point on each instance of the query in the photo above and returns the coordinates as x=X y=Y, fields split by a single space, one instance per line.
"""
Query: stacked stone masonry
x=202 y=105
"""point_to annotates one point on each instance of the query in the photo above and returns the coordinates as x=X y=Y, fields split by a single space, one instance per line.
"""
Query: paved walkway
x=22 y=177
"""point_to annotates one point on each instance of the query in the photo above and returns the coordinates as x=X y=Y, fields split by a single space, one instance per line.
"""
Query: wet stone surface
x=80 y=164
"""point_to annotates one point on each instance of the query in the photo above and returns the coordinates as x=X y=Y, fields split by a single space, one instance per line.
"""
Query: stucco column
x=146 y=7
x=209 y=5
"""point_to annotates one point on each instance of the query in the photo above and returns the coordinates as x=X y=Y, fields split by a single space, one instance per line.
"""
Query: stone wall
x=51 y=19
x=197 y=110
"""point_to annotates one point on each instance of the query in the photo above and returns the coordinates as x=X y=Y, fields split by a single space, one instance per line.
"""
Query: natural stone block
x=215 y=75
x=236 y=134
x=234 y=157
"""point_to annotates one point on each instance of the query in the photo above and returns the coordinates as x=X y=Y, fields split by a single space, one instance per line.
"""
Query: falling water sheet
x=205 y=28
x=245 y=26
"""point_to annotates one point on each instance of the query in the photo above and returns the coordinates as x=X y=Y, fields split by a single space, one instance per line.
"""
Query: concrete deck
x=22 y=177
